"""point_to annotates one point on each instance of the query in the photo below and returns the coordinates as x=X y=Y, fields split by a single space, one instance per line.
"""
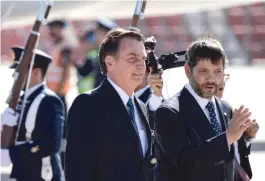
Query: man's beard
x=198 y=88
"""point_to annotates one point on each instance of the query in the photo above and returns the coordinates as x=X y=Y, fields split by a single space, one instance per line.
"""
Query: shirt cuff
x=248 y=140
x=154 y=102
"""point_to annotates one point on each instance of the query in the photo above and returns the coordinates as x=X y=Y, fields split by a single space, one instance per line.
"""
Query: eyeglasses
x=226 y=77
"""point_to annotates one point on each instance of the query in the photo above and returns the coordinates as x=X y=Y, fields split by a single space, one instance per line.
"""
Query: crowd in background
x=239 y=28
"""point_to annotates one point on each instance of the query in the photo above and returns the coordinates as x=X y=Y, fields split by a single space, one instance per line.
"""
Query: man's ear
x=187 y=70
x=109 y=62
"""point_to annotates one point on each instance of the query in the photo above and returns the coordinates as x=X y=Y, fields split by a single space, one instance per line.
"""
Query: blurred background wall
x=239 y=25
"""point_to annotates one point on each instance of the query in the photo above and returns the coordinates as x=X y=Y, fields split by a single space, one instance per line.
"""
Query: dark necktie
x=132 y=116
x=213 y=119
x=132 y=113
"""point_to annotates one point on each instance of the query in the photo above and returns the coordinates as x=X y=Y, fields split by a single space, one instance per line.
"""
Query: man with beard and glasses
x=243 y=145
x=195 y=142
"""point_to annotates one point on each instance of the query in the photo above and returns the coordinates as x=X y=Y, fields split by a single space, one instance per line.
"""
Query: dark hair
x=205 y=47
x=110 y=44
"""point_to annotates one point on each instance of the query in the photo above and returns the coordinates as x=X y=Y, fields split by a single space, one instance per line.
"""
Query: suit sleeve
x=50 y=118
x=83 y=138
x=174 y=140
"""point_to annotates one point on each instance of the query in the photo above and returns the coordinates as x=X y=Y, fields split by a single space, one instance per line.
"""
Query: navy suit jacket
x=102 y=144
x=244 y=153
x=47 y=135
x=243 y=150
x=188 y=148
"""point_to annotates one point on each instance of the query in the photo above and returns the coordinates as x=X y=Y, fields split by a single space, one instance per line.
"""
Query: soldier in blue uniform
x=35 y=153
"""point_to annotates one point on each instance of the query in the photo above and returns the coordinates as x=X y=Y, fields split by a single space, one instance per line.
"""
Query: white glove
x=9 y=117
x=5 y=158
x=46 y=169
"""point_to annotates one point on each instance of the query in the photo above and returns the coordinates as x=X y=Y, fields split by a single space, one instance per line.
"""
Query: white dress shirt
x=153 y=102
x=139 y=122
x=203 y=103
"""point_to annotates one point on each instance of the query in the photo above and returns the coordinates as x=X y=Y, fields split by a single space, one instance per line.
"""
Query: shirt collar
x=33 y=89
x=141 y=91
x=124 y=97
x=201 y=101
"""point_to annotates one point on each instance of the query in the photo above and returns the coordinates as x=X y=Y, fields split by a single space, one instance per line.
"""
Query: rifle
x=23 y=69
x=138 y=14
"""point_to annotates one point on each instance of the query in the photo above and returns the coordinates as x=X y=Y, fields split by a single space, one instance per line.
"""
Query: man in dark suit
x=35 y=153
x=195 y=141
x=109 y=137
x=243 y=145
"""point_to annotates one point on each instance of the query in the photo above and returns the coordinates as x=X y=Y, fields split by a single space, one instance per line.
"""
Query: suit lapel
x=144 y=118
x=115 y=106
x=117 y=111
x=194 y=115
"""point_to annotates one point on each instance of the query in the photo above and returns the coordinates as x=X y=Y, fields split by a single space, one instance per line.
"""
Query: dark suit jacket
x=187 y=146
x=244 y=153
x=47 y=135
x=102 y=144
x=243 y=150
